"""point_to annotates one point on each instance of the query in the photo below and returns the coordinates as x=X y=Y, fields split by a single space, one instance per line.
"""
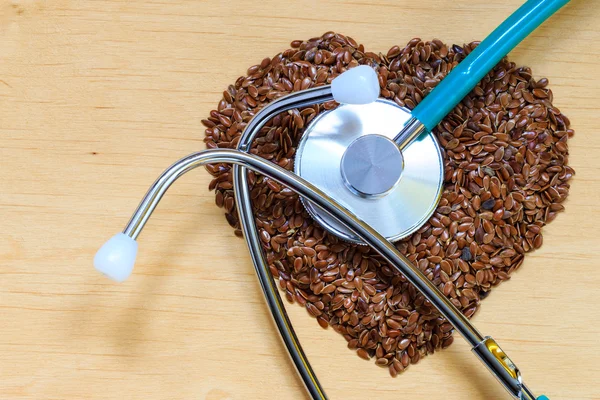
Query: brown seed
x=480 y=277
x=382 y=362
x=470 y=279
x=323 y=322
x=404 y=343
x=448 y=288
x=362 y=353
x=537 y=242
x=447 y=342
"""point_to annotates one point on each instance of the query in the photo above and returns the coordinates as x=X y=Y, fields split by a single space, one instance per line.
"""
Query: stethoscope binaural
x=353 y=161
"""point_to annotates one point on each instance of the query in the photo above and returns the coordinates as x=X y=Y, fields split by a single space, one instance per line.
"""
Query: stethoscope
x=369 y=171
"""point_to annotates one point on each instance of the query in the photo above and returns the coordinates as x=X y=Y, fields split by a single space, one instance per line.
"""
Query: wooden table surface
x=98 y=97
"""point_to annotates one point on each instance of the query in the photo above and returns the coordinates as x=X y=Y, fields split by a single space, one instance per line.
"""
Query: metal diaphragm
x=410 y=200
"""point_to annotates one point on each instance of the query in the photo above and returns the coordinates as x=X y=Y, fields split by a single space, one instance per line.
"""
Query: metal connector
x=503 y=368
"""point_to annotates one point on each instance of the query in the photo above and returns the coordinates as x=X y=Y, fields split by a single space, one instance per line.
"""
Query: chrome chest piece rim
x=412 y=191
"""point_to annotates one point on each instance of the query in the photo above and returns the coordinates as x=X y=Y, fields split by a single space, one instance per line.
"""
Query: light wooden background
x=98 y=96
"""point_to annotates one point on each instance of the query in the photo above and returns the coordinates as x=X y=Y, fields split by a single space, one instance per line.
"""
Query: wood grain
x=97 y=97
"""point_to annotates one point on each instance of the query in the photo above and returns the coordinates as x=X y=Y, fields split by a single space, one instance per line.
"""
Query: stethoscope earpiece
x=358 y=85
x=116 y=258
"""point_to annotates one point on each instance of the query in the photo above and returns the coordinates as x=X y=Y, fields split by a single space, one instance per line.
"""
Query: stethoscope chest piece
x=349 y=153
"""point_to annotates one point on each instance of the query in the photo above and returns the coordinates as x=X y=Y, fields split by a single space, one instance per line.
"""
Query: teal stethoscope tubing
x=465 y=76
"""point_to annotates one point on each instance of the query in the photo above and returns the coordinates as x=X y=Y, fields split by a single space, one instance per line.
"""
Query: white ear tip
x=116 y=257
x=358 y=85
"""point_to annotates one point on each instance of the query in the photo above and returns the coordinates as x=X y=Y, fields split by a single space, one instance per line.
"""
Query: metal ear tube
x=510 y=380
x=495 y=360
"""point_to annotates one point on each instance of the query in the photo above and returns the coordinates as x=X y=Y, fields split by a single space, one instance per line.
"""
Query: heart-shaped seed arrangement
x=506 y=176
